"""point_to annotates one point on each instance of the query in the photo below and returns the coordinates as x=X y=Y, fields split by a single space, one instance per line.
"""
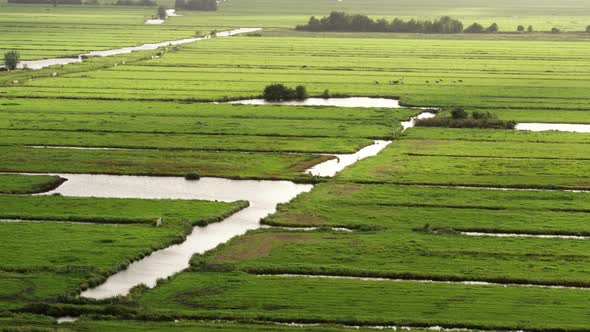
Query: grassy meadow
x=59 y=245
x=381 y=244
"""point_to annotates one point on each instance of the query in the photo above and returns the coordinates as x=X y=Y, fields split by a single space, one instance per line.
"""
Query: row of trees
x=204 y=5
x=340 y=21
x=462 y=119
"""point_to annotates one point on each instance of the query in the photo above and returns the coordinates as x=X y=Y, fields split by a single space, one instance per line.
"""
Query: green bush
x=11 y=59
x=459 y=113
x=192 y=176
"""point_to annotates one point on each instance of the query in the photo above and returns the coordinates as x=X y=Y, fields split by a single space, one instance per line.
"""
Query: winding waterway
x=567 y=127
x=38 y=64
x=264 y=196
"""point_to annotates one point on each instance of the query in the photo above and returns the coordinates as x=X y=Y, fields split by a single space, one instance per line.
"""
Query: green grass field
x=405 y=210
x=488 y=74
x=201 y=294
x=476 y=163
x=70 y=243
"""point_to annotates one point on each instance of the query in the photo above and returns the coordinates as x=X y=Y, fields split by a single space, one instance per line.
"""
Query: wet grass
x=409 y=232
x=51 y=260
x=508 y=137
x=161 y=163
x=476 y=73
x=104 y=324
x=389 y=206
x=400 y=252
x=476 y=163
x=201 y=294
x=202 y=142
x=381 y=128
x=27 y=184
x=193 y=126
x=109 y=210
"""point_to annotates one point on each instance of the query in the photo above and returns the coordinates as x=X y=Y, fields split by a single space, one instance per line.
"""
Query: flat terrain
x=53 y=246
x=459 y=228
x=40 y=31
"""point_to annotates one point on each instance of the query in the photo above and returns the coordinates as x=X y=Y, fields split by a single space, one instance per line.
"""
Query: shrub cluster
x=276 y=92
x=203 y=5
x=462 y=119
x=340 y=21
x=478 y=28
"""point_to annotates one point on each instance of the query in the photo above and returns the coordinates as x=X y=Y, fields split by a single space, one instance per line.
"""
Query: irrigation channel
x=264 y=196
x=38 y=64
x=567 y=127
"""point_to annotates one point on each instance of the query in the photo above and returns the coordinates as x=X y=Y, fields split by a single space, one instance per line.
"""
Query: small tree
x=459 y=113
x=530 y=29
x=300 y=92
x=11 y=59
x=520 y=28
x=555 y=30
x=493 y=28
x=162 y=13
x=588 y=29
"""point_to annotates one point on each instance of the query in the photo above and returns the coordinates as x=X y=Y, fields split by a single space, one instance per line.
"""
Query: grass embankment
x=108 y=324
x=161 y=163
x=28 y=184
x=46 y=261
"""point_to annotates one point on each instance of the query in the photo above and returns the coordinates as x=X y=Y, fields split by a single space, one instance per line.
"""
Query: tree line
x=340 y=21
x=204 y=5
